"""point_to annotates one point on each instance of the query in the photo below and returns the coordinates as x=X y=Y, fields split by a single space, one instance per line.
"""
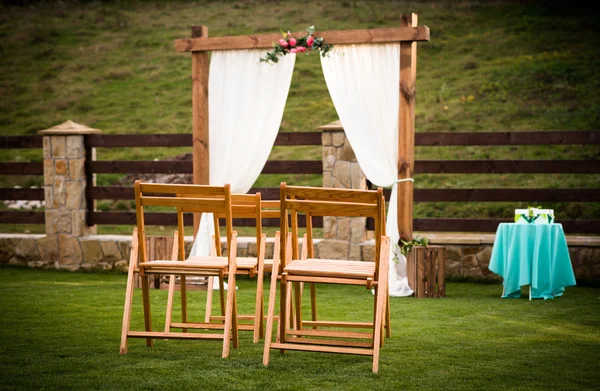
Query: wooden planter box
x=426 y=268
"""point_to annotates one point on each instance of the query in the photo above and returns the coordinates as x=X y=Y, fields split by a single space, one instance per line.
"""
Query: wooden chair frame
x=298 y=268
x=184 y=198
x=243 y=206
x=268 y=209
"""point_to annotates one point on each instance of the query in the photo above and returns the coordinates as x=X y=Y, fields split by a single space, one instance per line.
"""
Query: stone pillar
x=64 y=191
x=341 y=170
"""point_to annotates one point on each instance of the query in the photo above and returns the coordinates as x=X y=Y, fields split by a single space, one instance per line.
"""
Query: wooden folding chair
x=304 y=268
x=271 y=210
x=243 y=206
x=265 y=209
x=183 y=198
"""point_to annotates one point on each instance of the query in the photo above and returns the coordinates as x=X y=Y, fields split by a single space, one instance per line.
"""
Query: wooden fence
x=9 y=194
x=315 y=167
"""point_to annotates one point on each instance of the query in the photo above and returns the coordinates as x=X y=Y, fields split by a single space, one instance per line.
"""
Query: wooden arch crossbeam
x=407 y=35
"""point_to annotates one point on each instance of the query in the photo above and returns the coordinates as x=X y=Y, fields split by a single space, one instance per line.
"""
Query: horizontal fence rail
x=507 y=166
x=22 y=217
x=504 y=195
x=507 y=138
x=185 y=140
x=420 y=195
x=16 y=142
x=185 y=167
x=21 y=168
x=488 y=225
x=316 y=167
x=29 y=194
x=170 y=219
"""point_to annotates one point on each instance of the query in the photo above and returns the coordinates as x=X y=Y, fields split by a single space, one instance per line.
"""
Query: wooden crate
x=426 y=268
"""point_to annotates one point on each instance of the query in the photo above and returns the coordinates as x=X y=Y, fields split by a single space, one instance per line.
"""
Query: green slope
x=490 y=66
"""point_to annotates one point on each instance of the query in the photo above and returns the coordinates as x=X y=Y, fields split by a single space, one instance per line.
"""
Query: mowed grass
x=490 y=66
x=61 y=330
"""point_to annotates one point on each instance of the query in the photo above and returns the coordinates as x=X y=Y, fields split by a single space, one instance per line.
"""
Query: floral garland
x=289 y=44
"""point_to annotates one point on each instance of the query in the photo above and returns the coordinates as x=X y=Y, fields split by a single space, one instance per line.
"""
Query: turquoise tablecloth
x=535 y=255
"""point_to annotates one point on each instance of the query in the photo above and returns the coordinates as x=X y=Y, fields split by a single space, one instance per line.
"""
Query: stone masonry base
x=468 y=255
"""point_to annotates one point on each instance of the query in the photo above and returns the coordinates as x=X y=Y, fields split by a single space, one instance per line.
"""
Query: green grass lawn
x=61 y=330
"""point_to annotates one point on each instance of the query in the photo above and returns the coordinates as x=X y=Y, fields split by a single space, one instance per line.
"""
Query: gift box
x=534 y=216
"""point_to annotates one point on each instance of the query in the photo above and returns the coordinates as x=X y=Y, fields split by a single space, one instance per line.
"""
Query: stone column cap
x=69 y=127
x=335 y=125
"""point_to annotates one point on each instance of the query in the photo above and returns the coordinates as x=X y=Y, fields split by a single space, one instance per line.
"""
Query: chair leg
x=313 y=291
x=283 y=310
x=170 y=296
x=129 y=294
x=172 y=277
x=381 y=298
x=209 y=286
x=231 y=321
x=230 y=317
x=388 y=324
x=285 y=293
x=222 y=293
x=289 y=320
x=377 y=328
x=234 y=317
x=146 y=301
x=313 y=302
x=271 y=310
x=183 y=288
x=209 y=296
x=298 y=310
x=259 y=303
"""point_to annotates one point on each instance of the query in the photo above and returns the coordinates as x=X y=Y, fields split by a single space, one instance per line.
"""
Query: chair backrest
x=243 y=206
x=185 y=199
x=316 y=201
x=270 y=209
x=251 y=206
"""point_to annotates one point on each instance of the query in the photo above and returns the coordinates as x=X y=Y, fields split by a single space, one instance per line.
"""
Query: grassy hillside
x=490 y=66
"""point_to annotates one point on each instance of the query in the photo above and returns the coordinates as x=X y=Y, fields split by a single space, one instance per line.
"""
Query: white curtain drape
x=246 y=102
x=363 y=81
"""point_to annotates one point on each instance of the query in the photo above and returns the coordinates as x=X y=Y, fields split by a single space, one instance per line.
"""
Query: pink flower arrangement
x=290 y=44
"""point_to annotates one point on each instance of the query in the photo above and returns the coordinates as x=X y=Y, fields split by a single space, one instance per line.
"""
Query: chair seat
x=246 y=263
x=268 y=264
x=331 y=268
x=190 y=263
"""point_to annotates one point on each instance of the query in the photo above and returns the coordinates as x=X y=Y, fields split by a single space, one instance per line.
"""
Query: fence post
x=341 y=171
x=64 y=189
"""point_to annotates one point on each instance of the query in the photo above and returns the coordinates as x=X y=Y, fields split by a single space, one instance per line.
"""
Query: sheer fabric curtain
x=363 y=81
x=246 y=102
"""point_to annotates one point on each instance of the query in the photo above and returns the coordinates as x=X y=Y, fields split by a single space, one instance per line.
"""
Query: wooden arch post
x=200 y=149
x=407 y=35
x=406 y=131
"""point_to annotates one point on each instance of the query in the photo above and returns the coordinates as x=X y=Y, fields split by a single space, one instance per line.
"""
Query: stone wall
x=343 y=235
x=65 y=179
x=111 y=253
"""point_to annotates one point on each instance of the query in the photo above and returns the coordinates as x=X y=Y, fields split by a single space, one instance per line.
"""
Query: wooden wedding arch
x=407 y=35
